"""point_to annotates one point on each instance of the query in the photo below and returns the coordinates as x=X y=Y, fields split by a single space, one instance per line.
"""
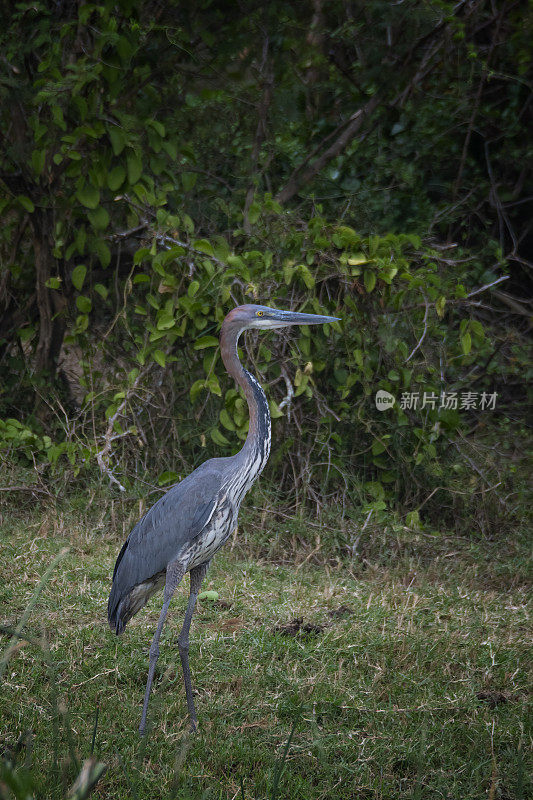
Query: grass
x=404 y=676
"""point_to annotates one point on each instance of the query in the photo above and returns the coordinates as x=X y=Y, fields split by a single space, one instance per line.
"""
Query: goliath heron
x=185 y=528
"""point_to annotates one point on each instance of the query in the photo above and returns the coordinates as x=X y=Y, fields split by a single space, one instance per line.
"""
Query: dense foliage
x=163 y=162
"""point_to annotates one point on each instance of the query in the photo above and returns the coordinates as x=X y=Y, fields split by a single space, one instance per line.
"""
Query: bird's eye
x=260 y=313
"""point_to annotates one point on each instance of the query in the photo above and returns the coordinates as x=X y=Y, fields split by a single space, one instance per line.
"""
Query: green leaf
x=306 y=275
x=275 y=411
x=205 y=341
x=369 y=280
x=226 y=420
x=103 y=252
x=358 y=258
x=110 y=410
x=25 y=334
x=173 y=253
x=101 y=289
x=188 y=180
x=213 y=385
x=82 y=323
x=377 y=447
x=135 y=167
x=171 y=149
x=165 y=320
x=88 y=195
x=116 y=177
x=99 y=218
x=288 y=272
x=140 y=255
x=195 y=389
x=118 y=140
x=26 y=203
x=210 y=594
x=81 y=238
x=159 y=356
x=157 y=126
x=477 y=328
x=204 y=246
x=373 y=245
x=53 y=283
x=388 y=274
x=124 y=49
x=38 y=158
x=167 y=477
x=218 y=437
x=375 y=489
x=254 y=212
x=466 y=343
x=84 y=304
x=78 y=276
x=193 y=288
x=57 y=116
x=439 y=306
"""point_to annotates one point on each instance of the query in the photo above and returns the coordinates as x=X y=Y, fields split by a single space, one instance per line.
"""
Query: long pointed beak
x=298 y=318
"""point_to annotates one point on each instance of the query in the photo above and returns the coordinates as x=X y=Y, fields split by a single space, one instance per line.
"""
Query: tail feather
x=122 y=607
x=114 y=611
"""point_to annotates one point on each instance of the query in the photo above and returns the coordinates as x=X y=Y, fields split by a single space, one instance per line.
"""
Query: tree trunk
x=50 y=302
x=315 y=38
x=260 y=134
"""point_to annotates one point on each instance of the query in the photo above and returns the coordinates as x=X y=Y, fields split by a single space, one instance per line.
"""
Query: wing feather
x=163 y=534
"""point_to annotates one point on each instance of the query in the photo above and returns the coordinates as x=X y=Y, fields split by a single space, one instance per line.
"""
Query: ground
x=402 y=674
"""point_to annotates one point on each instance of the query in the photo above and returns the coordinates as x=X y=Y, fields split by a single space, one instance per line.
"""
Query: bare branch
x=163 y=239
x=290 y=392
x=423 y=334
x=486 y=286
x=452 y=302
x=102 y=456
x=130 y=232
x=31 y=489
x=304 y=175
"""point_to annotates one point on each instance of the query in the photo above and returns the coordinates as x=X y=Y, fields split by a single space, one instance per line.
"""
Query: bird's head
x=265 y=318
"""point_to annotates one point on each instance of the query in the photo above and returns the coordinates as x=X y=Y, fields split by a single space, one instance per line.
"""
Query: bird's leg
x=197 y=576
x=174 y=575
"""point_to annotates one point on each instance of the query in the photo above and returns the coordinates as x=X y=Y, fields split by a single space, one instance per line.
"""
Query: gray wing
x=163 y=534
